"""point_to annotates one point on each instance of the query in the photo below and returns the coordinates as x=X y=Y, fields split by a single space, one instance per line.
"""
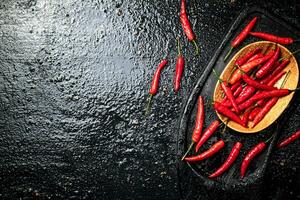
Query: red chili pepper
x=254 y=113
x=271 y=83
x=198 y=125
x=278 y=69
x=290 y=139
x=245 y=117
x=208 y=153
x=264 y=95
x=242 y=36
x=228 y=113
x=186 y=25
x=233 y=88
x=247 y=56
x=256 y=56
x=179 y=68
x=264 y=111
x=207 y=133
x=236 y=93
x=273 y=38
x=256 y=84
x=267 y=67
x=155 y=83
x=243 y=96
x=237 y=75
x=230 y=96
x=229 y=161
x=250 y=155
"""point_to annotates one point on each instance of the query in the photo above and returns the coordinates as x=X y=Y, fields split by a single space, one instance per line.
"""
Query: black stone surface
x=74 y=79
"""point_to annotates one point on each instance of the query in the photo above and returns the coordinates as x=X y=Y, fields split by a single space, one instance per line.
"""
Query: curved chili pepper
x=266 y=68
x=236 y=93
x=256 y=56
x=228 y=113
x=237 y=75
x=245 y=117
x=198 y=125
x=233 y=88
x=230 y=96
x=155 y=83
x=243 y=96
x=235 y=151
x=254 y=113
x=208 y=153
x=278 y=69
x=271 y=83
x=256 y=84
x=273 y=38
x=179 y=68
x=207 y=133
x=264 y=95
x=247 y=56
x=250 y=155
x=186 y=25
x=264 y=111
x=288 y=140
x=242 y=36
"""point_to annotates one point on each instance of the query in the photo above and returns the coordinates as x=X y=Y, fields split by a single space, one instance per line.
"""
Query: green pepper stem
x=178 y=46
x=228 y=53
x=189 y=149
x=288 y=57
x=148 y=105
x=196 y=47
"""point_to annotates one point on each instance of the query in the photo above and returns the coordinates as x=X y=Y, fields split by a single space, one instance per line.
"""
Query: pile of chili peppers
x=249 y=94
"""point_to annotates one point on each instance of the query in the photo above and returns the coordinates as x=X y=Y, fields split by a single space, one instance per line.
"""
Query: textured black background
x=74 y=78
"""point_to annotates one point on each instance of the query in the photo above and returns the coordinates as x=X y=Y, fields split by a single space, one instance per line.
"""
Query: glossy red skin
x=267 y=67
x=178 y=72
x=233 y=89
x=230 y=96
x=244 y=33
x=256 y=56
x=290 y=139
x=235 y=151
x=256 y=84
x=244 y=95
x=208 y=153
x=199 y=120
x=247 y=56
x=264 y=95
x=207 y=133
x=245 y=117
x=156 y=77
x=254 y=113
x=278 y=69
x=236 y=93
x=237 y=75
x=250 y=156
x=262 y=113
x=185 y=23
x=223 y=110
x=272 y=38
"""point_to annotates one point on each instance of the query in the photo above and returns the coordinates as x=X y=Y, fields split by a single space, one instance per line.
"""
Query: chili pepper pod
x=288 y=140
x=256 y=84
x=223 y=110
x=267 y=67
x=272 y=38
x=236 y=93
x=207 y=133
x=254 y=113
x=257 y=149
x=277 y=70
x=198 y=125
x=241 y=37
x=155 y=83
x=235 y=151
x=237 y=74
x=208 y=153
x=186 y=26
x=179 y=68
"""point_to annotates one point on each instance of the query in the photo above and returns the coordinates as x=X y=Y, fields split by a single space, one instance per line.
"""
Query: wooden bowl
x=282 y=103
